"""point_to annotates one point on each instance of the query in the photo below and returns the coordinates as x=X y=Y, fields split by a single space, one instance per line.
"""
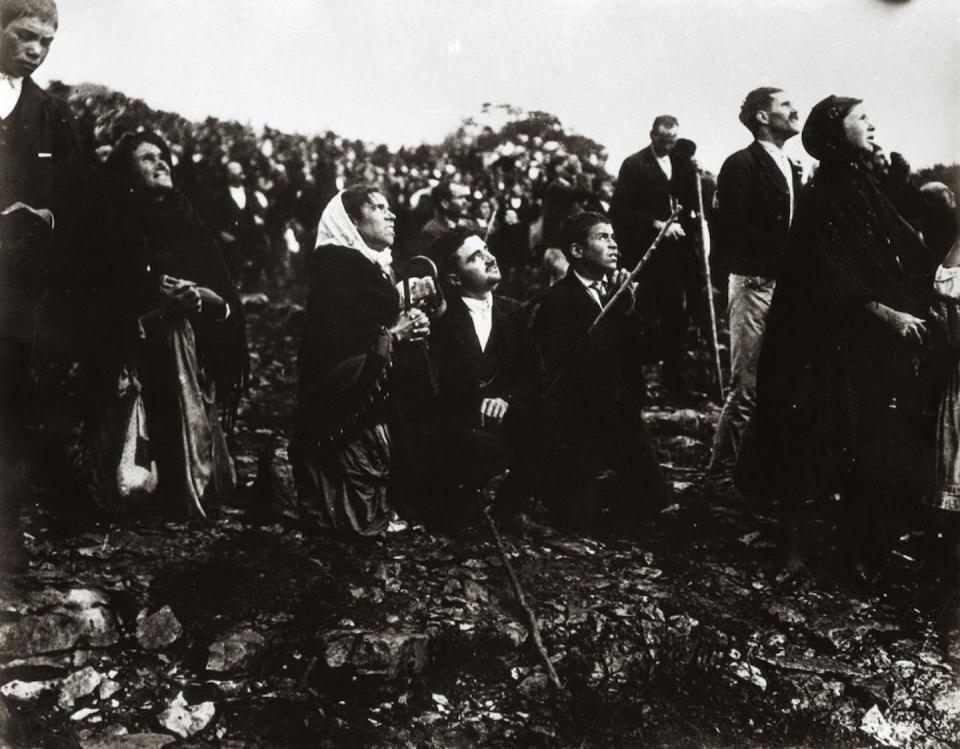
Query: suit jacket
x=42 y=166
x=248 y=225
x=466 y=373
x=754 y=213
x=643 y=195
x=599 y=377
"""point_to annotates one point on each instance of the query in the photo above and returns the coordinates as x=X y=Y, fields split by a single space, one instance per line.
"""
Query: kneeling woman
x=342 y=447
x=174 y=321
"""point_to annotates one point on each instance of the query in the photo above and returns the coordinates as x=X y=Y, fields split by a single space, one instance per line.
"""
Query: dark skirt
x=342 y=485
x=182 y=439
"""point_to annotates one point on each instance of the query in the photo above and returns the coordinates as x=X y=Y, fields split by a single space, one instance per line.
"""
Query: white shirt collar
x=773 y=149
x=592 y=290
x=479 y=305
x=783 y=162
x=239 y=195
x=481 y=314
x=666 y=165
x=10 y=89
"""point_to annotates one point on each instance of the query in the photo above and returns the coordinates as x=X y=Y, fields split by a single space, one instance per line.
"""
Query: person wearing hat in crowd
x=840 y=385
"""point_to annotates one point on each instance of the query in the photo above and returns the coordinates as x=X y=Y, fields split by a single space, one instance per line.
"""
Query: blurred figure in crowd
x=238 y=214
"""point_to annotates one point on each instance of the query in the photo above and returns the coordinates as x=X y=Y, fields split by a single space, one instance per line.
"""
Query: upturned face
x=599 y=254
x=782 y=117
x=151 y=171
x=477 y=271
x=24 y=44
x=376 y=223
x=858 y=129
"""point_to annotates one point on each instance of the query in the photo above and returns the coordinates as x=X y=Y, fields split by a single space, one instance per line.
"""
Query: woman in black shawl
x=840 y=407
x=174 y=321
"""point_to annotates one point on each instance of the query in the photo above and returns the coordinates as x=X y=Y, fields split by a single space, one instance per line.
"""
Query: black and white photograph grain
x=454 y=374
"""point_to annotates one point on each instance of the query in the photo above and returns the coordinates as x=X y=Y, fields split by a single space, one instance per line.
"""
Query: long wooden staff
x=635 y=273
x=485 y=498
x=705 y=258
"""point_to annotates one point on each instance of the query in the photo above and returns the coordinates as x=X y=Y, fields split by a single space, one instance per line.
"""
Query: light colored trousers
x=749 y=304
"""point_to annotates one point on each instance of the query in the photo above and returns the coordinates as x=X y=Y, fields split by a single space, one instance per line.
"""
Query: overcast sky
x=407 y=71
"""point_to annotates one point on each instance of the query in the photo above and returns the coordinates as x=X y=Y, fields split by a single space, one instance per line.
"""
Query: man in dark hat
x=41 y=182
x=756 y=189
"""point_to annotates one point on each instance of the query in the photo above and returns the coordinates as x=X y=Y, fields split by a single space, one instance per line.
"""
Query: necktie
x=601 y=290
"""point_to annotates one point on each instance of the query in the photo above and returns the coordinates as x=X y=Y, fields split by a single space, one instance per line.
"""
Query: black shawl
x=344 y=353
x=148 y=239
x=828 y=365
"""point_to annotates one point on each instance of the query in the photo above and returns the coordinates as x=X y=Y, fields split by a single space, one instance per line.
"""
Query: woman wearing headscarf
x=342 y=449
x=840 y=396
x=174 y=329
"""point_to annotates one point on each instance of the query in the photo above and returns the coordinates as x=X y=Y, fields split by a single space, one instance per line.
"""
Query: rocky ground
x=244 y=632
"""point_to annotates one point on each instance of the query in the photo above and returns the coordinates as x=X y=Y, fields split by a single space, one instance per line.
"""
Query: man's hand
x=674 y=231
x=493 y=410
x=227 y=237
x=628 y=300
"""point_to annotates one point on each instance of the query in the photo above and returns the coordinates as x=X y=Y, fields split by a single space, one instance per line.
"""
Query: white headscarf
x=335 y=227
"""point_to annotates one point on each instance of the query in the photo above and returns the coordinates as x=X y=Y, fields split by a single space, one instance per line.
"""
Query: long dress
x=187 y=368
x=840 y=396
x=946 y=490
x=342 y=447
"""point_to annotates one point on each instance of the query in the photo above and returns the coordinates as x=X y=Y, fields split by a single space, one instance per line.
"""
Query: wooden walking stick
x=485 y=498
x=624 y=289
x=635 y=273
x=711 y=312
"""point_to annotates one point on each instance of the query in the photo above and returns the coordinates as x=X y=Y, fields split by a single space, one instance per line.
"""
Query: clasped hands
x=412 y=325
x=187 y=296
x=674 y=231
x=617 y=279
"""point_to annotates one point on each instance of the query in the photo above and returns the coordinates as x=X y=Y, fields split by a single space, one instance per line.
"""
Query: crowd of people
x=127 y=236
x=496 y=180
